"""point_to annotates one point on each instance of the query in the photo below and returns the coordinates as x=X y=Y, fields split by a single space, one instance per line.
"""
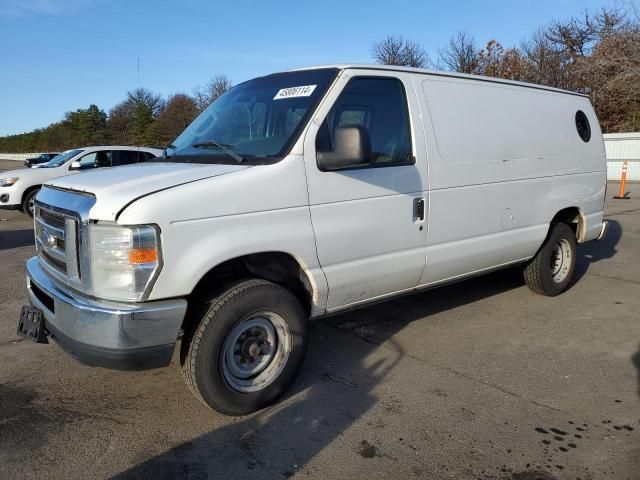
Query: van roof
x=424 y=71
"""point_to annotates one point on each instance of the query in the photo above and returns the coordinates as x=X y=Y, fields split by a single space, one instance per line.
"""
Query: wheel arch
x=572 y=216
x=27 y=191
x=279 y=267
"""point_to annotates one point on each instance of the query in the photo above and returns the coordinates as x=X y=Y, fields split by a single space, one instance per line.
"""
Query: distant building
x=621 y=147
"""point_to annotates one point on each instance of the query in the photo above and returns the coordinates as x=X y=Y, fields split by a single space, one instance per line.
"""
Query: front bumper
x=120 y=336
x=9 y=199
x=603 y=230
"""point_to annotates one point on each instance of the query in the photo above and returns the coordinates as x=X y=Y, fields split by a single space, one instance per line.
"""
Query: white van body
x=495 y=162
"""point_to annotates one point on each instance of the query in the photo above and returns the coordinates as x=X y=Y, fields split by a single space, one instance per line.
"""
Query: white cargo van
x=305 y=193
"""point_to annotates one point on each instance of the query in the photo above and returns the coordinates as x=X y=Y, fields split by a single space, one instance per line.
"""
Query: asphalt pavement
x=478 y=380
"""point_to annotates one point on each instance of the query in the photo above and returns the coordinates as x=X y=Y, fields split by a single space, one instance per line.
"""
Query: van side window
x=582 y=125
x=379 y=105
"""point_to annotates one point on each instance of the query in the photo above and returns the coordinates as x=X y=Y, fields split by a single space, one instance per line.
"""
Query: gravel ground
x=479 y=380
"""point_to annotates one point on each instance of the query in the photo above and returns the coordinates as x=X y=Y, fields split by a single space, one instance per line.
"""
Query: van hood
x=115 y=188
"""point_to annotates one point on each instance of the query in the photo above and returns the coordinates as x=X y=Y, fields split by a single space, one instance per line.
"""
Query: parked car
x=302 y=194
x=40 y=159
x=18 y=188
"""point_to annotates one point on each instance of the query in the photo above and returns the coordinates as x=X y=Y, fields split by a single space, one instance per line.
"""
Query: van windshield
x=256 y=121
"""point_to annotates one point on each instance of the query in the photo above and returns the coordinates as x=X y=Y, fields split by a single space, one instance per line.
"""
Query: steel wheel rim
x=256 y=351
x=561 y=259
x=31 y=204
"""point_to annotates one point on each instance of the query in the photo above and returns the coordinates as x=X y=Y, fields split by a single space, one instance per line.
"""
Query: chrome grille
x=52 y=218
x=56 y=242
x=60 y=265
x=61 y=220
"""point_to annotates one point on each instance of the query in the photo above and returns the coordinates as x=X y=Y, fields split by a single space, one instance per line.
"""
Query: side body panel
x=503 y=161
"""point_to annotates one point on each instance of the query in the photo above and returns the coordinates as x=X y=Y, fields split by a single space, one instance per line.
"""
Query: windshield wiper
x=225 y=147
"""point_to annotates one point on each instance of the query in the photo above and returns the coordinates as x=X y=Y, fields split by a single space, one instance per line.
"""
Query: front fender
x=192 y=248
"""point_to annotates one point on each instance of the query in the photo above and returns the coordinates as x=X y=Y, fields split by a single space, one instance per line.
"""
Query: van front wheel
x=247 y=347
x=551 y=270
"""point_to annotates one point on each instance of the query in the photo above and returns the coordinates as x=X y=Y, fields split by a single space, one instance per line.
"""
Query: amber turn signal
x=142 y=255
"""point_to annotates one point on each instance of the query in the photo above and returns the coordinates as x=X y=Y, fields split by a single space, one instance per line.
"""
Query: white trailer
x=620 y=147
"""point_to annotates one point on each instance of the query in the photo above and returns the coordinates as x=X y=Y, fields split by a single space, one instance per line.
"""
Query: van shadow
x=596 y=251
x=345 y=366
x=16 y=238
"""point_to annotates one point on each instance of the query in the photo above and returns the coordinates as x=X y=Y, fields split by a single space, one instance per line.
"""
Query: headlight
x=8 y=181
x=124 y=260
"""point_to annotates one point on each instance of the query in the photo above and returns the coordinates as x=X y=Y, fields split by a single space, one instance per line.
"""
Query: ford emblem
x=51 y=240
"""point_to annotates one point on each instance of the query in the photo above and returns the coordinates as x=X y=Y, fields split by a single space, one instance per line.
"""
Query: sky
x=61 y=55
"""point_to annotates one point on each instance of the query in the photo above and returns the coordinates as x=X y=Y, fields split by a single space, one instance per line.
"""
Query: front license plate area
x=31 y=324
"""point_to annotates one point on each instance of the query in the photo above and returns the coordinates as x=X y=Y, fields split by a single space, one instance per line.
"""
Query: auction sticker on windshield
x=292 y=92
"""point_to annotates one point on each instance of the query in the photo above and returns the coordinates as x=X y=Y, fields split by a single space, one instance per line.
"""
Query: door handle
x=419 y=208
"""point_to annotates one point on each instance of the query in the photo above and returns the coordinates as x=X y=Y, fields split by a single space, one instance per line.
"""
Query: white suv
x=19 y=187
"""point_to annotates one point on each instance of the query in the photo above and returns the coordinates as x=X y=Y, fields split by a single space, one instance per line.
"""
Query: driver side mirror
x=352 y=148
x=75 y=165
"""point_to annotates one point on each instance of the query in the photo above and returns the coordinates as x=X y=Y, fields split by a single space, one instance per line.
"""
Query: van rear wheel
x=551 y=270
x=247 y=346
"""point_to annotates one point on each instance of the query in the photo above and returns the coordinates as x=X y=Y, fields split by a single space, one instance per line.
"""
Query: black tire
x=28 y=199
x=203 y=347
x=539 y=273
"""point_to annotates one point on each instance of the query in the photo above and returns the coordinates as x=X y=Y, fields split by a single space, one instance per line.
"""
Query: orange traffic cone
x=622 y=195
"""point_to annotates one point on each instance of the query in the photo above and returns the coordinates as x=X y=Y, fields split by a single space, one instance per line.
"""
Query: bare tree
x=415 y=55
x=512 y=65
x=214 y=88
x=614 y=21
x=613 y=74
x=460 y=55
x=575 y=36
x=495 y=61
x=545 y=62
x=395 y=50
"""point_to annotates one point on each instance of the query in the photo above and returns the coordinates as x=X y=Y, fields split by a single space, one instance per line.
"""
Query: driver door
x=370 y=232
